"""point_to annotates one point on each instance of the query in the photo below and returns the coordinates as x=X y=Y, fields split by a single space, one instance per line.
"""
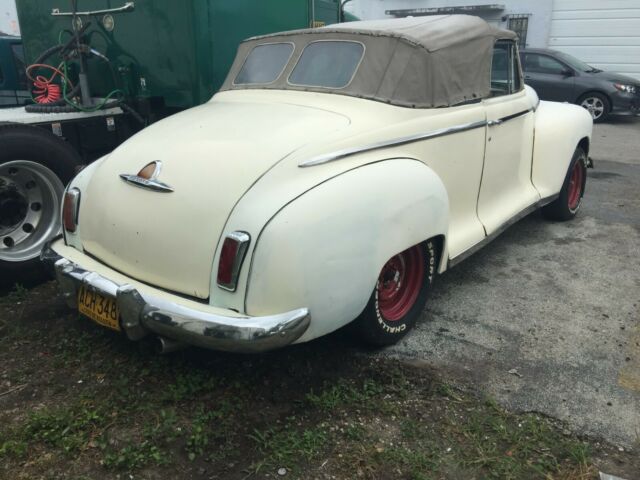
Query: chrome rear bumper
x=141 y=314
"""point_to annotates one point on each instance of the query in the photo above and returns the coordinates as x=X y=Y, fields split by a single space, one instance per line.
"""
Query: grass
x=96 y=405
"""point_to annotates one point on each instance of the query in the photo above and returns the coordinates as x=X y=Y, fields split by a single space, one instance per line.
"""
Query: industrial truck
x=98 y=71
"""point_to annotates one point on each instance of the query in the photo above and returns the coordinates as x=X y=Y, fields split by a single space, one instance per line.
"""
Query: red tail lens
x=232 y=255
x=70 y=208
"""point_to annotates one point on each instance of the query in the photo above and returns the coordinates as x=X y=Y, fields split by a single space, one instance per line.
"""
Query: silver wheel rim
x=594 y=105
x=30 y=198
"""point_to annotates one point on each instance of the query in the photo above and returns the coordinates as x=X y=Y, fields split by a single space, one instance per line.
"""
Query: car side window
x=505 y=69
x=537 y=63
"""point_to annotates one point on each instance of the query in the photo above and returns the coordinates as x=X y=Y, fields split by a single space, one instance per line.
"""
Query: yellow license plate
x=102 y=310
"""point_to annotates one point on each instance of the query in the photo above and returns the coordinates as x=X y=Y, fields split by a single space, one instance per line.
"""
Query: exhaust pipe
x=165 y=345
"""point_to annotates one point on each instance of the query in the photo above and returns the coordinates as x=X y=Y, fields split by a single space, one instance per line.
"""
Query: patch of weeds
x=345 y=394
x=198 y=439
x=165 y=428
x=416 y=461
x=355 y=432
x=447 y=391
x=13 y=448
x=151 y=449
x=62 y=427
x=210 y=425
x=411 y=430
x=135 y=456
x=18 y=294
x=189 y=383
x=288 y=446
x=512 y=446
x=580 y=453
x=77 y=348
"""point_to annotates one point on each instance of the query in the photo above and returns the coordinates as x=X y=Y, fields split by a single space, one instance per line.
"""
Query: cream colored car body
x=320 y=234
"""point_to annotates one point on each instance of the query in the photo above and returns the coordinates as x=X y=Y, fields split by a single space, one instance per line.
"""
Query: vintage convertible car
x=334 y=175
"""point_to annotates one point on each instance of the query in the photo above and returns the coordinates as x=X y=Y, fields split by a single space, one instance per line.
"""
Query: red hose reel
x=45 y=90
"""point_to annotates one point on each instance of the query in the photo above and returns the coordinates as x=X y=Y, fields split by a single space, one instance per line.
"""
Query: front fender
x=324 y=251
x=559 y=128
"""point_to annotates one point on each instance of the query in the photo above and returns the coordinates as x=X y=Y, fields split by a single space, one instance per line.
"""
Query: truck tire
x=35 y=165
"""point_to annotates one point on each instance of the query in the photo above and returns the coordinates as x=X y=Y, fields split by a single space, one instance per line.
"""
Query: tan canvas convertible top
x=422 y=62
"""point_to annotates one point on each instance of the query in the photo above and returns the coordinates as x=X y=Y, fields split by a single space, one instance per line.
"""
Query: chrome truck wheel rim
x=594 y=105
x=30 y=198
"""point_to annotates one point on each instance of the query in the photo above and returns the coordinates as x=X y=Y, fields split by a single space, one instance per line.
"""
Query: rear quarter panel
x=559 y=129
x=325 y=249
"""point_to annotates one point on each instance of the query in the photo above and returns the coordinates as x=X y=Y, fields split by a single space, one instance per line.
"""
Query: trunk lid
x=211 y=155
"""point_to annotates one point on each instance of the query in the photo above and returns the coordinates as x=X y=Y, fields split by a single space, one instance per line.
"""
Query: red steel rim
x=399 y=284
x=575 y=185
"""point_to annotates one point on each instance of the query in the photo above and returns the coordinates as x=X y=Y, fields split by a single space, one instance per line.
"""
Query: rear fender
x=324 y=250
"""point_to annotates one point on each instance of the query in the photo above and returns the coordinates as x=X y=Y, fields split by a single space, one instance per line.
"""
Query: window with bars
x=520 y=25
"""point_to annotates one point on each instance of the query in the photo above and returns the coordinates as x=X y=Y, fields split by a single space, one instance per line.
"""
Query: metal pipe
x=127 y=7
x=165 y=346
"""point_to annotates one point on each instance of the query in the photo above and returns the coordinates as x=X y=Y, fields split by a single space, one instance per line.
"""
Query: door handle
x=493 y=123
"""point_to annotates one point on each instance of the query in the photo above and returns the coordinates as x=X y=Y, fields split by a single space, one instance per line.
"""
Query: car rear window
x=328 y=64
x=264 y=64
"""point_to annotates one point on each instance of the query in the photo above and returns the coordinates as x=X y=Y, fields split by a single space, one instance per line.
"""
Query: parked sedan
x=560 y=77
x=335 y=174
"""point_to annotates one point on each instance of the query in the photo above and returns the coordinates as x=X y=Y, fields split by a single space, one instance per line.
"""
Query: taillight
x=70 y=209
x=232 y=255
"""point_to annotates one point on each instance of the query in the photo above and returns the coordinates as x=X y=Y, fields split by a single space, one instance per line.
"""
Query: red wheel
x=575 y=186
x=569 y=200
x=399 y=284
x=399 y=295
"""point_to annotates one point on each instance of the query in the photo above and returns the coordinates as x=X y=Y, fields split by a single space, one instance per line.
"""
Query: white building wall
x=539 y=22
x=9 y=17
x=603 y=33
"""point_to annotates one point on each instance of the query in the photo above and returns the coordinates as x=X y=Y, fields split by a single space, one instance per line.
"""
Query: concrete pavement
x=547 y=317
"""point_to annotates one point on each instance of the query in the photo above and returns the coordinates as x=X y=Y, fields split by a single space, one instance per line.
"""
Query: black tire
x=592 y=98
x=31 y=144
x=372 y=327
x=566 y=206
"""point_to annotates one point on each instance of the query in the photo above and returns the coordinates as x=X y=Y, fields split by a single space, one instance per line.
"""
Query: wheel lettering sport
x=399 y=295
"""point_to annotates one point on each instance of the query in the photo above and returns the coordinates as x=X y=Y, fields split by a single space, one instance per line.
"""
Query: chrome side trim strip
x=337 y=155
x=500 y=121
x=489 y=238
x=515 y=115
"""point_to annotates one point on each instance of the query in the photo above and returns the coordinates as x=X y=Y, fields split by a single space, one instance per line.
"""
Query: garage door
x=605 y=34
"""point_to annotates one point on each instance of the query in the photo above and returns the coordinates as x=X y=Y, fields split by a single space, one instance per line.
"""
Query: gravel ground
x=547 y=317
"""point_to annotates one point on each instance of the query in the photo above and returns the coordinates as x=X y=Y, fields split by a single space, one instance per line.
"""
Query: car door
x=549 y=77
x=506 y=188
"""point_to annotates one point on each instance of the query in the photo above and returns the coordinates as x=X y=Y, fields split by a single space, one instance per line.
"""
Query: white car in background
x=335 y=174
